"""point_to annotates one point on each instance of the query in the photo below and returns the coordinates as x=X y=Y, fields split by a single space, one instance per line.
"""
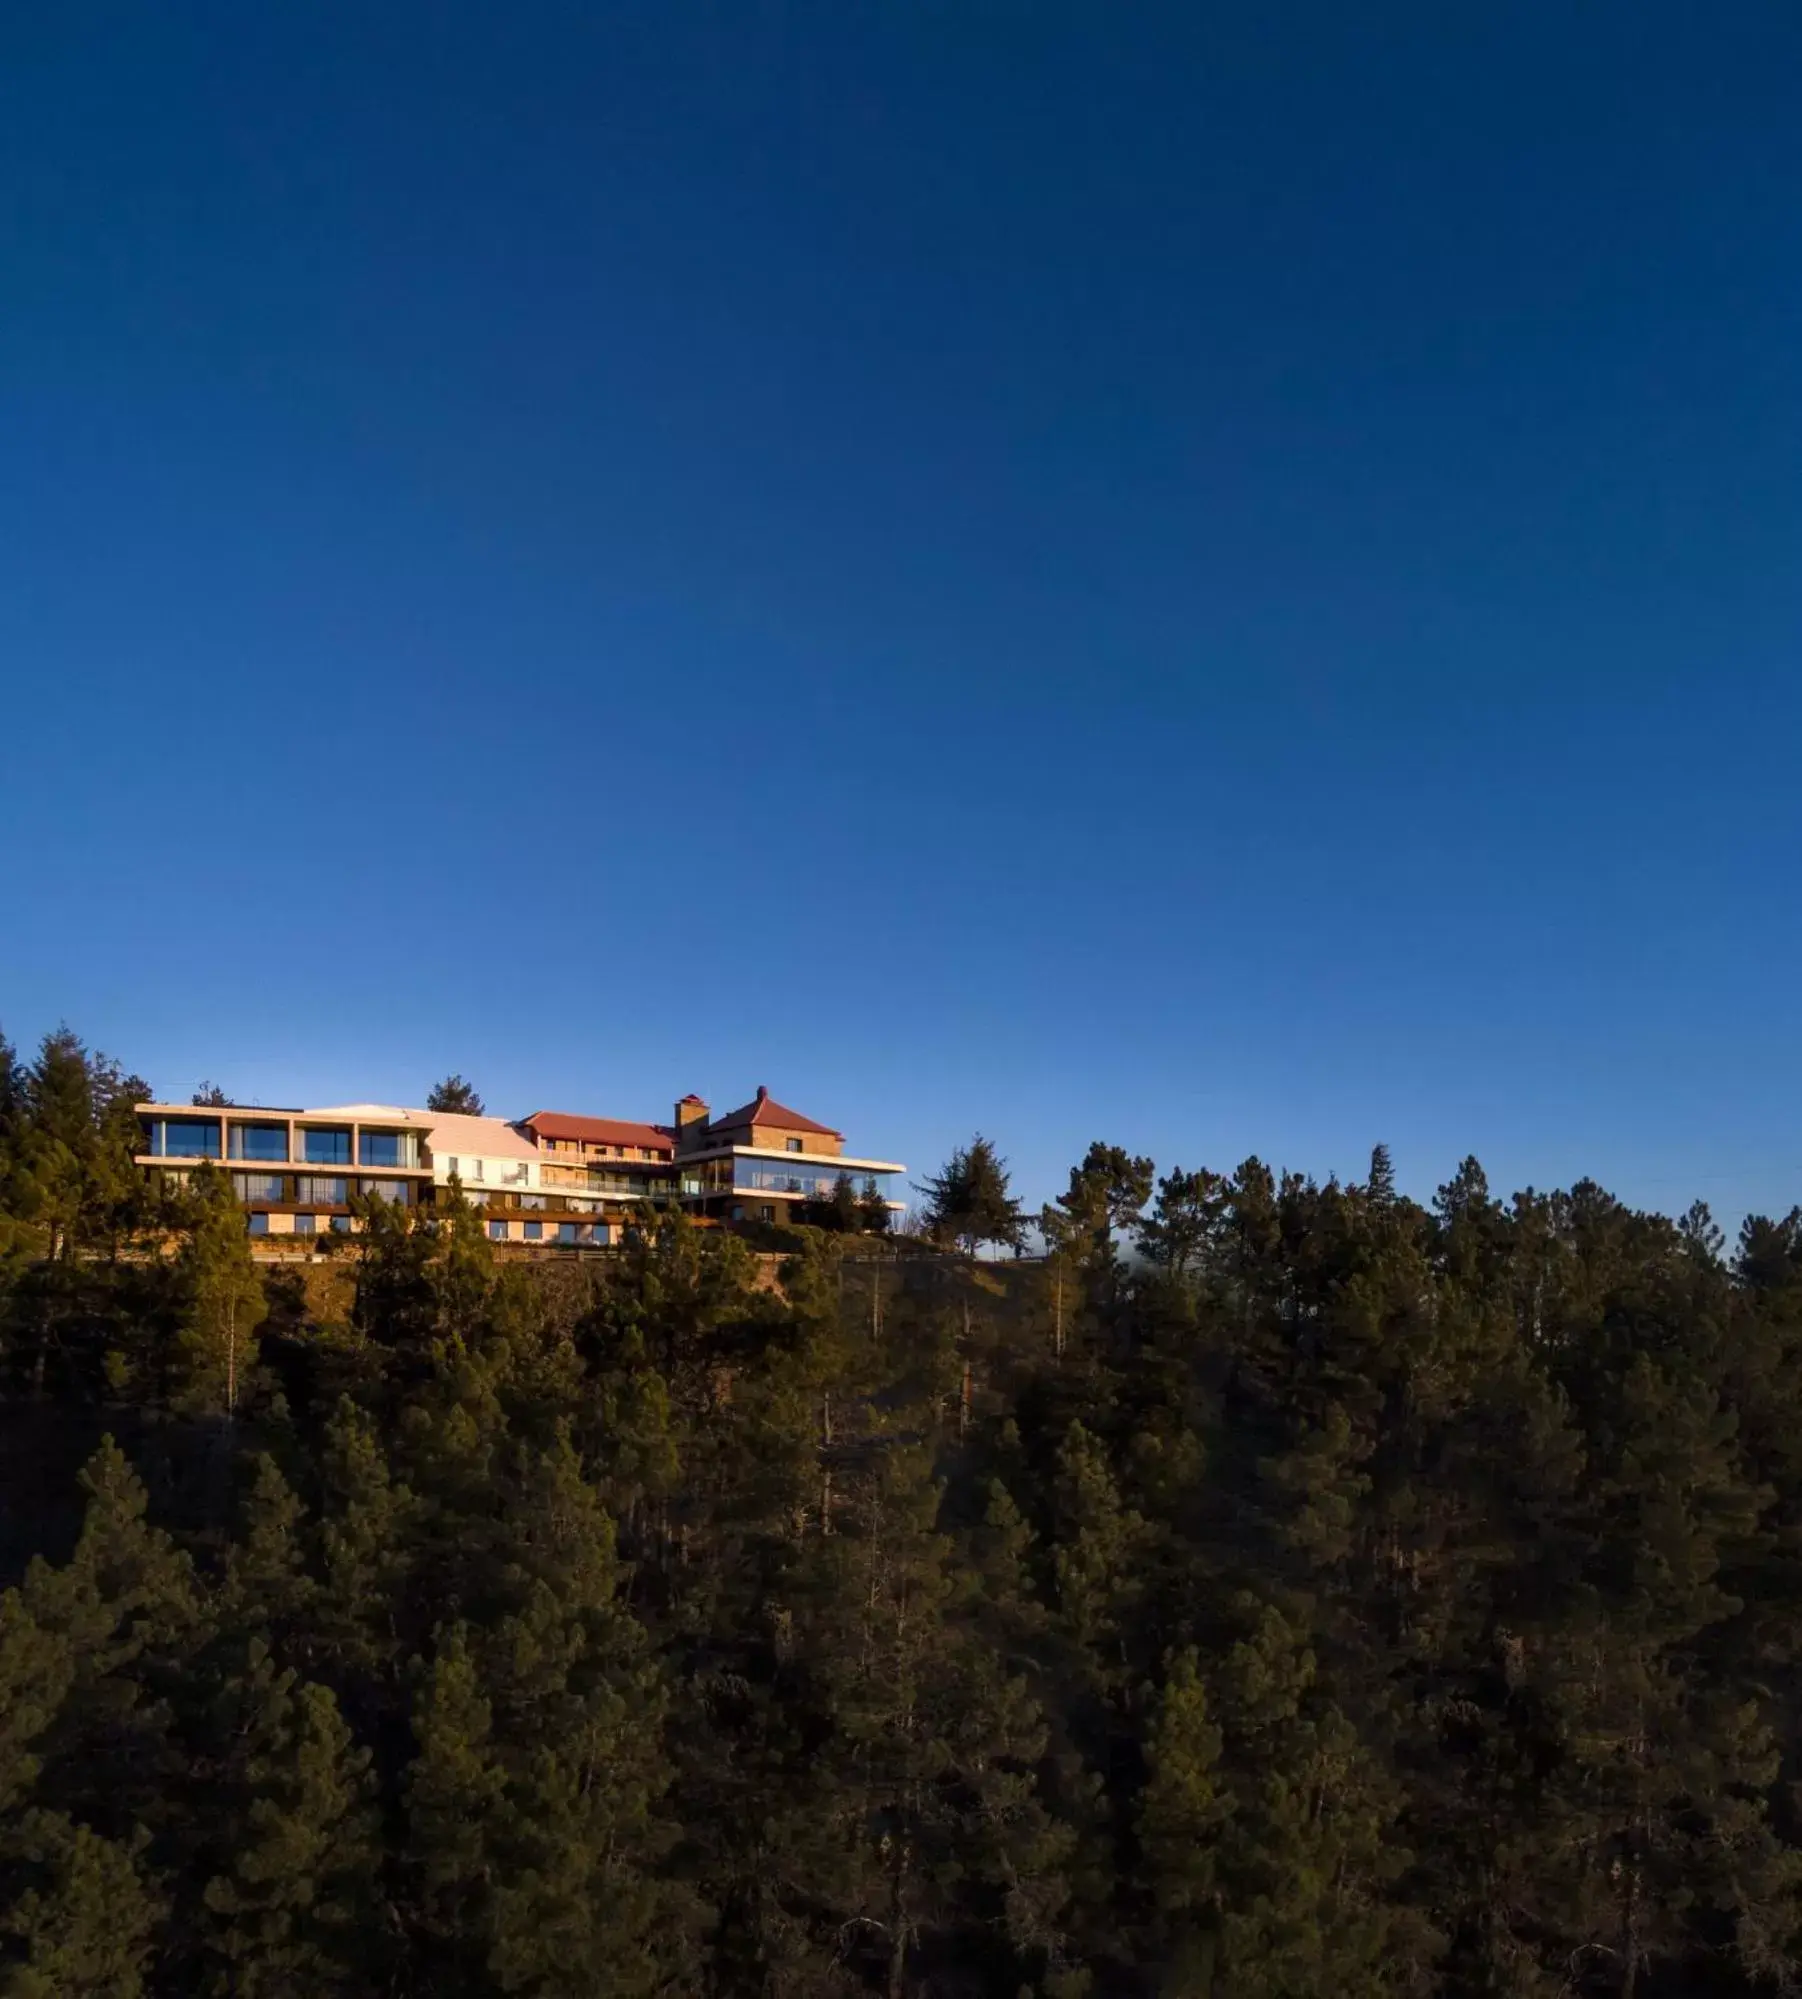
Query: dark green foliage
x=222 y=1298
x=968 y=1202
x=1337 y=1599
x=455 y=1094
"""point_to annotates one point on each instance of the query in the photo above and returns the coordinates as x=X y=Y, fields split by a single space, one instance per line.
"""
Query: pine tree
x=455 y=1095
x=968 y=1202
x=938 y=1747
x=455 y=1792
x=367 y=1550
x=86 y=1920
x=267 y=1586
x=1181 y=1812
x=290 y=1908
x=1096 y=1554
x=225 y=1301
x=1105 y=1196
x=1184 y=1224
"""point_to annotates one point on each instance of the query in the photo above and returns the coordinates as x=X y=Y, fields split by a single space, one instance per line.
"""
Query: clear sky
x=1224 y=578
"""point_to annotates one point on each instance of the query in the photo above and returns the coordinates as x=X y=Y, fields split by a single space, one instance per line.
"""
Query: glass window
x=389 y=1148
x=393 y=1191
x=318 y=1187
x=185 y=1137
x=259 y=1187
x=306 y=1224
x=534 y=1231
x=258 y=1141
x=497 y=1231
x=566 y=1231
x=325 y=1145
x=766 y=1213
x=795 y=1145
x=603 y=1232
x=259 y=1223
x=341 y=1224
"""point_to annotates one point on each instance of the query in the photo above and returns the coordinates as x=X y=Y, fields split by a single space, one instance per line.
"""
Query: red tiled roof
x=599 y=1130
x=764 y=1109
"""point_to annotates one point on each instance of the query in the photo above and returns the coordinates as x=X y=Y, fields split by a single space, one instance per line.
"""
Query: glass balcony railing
x=754 y=1176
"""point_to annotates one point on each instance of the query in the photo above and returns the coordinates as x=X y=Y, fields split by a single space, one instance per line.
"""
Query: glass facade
x=258 y=1141
x=329 y=1190
x=184 y=1137
x=325 y=1145
x=251 y=1187
x=396 y=1192
x=763 y=1176
x=389 y=1148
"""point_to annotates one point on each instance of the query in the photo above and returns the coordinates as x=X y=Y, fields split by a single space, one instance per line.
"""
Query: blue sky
x=1220 y=578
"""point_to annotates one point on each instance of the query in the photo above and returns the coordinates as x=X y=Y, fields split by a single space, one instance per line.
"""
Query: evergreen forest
x=1255 y=1588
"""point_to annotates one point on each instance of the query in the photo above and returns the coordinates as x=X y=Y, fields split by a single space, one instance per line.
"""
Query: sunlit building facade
x=553 y=1180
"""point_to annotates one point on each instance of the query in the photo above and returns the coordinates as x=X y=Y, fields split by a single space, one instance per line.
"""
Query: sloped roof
x=455 y=1134
x=600 y=1130
x=764 y=1109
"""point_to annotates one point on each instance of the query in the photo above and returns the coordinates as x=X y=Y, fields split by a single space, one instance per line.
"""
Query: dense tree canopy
x=1273 y=1589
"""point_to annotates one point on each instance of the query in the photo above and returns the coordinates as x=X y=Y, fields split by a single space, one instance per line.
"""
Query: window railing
x=759 y=1177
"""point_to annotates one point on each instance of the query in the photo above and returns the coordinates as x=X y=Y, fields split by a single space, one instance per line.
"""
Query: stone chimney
x=691 y=1121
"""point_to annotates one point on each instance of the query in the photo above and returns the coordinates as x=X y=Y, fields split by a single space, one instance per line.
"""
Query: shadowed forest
x=1266 y=1589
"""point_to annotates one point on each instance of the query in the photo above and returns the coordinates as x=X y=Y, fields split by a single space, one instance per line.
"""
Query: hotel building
x=554 y=1178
